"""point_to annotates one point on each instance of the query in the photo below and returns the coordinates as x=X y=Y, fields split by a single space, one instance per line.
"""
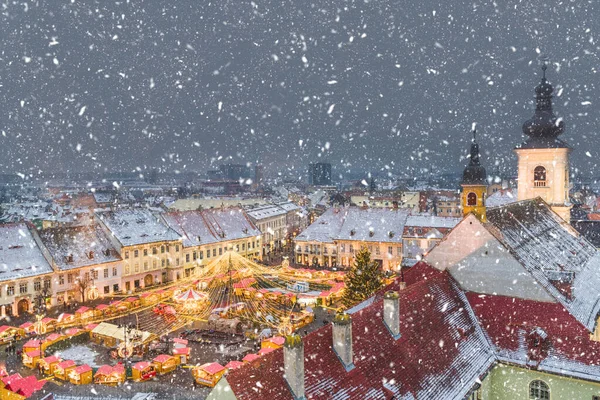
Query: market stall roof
x=234 y=364
x=82 y=369
x=51 y=359
x=142 y=365
x=113 y=331
x=212 y=368
x=162 y=358
x=66 y=364
x=182 y=350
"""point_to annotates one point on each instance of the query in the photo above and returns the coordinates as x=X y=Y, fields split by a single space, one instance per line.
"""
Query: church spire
x=543 y=124
x=474 y=184
x=474 y=173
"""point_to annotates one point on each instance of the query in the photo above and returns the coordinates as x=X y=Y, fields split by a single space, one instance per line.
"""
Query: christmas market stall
x=183 y=353
x=32 y=345
x=10 y=333
x=65 y=319
x=82 y=375
x=48 y=364
x=143 y=371
x=47 y=325
x=62 y=369
x=110 y=335
x=51 y=339
x=133 y=302
x=233 y=365
x=208 y=374
x=165 y=363
x=31 y=358
x=274 y=342
x=28 y=328
x=84 y=314
x=112 y=376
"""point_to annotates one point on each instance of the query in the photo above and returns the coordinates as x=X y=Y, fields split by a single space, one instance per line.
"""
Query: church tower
x=543 y=158
x=474 y=185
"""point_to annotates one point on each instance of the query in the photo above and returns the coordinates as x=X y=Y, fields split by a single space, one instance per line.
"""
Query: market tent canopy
x=113 y=331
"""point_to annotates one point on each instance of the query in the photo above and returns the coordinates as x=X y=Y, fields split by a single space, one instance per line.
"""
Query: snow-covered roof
x=289 y=206
x=561 y=260
x=75 y=247
x=325 y=228
x=211 y=226
x=20 y=254
x=431 y=221
x=137 y=226
x=265 y=212
x=356 y=223
x=373 y=225
x=501 y=198
x=102 y=197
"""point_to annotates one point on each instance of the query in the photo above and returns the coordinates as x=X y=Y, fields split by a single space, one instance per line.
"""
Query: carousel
x=191 y=301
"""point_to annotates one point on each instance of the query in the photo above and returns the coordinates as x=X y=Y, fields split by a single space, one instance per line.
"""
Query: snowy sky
x=111 y=85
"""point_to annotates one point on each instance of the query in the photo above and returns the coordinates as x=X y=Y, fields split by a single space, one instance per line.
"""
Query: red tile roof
x=508 y=320
x=426 y=362
x=419 y=272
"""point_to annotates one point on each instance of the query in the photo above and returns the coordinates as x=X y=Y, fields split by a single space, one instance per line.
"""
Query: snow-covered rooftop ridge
x=20 y=254
x=325 y=228
x=500 y=198
x=211 y=226
x=373 y=225
x=75 y=247
x=267 y=211
x=561 y=260
x=137 y=226
x=431 y=221
x=356 y=223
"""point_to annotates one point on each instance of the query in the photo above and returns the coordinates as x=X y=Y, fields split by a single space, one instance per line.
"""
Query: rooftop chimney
x=293 y=365
x=391 y=313
x=342 y=339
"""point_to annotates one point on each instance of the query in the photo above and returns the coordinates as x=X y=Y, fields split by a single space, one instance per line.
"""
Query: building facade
x=86 y=264
x=151 y=251
x=26 y=270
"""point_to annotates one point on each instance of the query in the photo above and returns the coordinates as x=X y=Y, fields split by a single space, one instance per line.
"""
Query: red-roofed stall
x=81 y=375
x=208 y=374
x=143 y=371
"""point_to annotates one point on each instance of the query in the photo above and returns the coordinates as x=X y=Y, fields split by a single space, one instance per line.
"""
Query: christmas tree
x=363 y=279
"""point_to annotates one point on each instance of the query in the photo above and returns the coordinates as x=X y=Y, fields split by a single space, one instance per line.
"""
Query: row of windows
x=95 y=274
x=24 y=287
x=163 y=249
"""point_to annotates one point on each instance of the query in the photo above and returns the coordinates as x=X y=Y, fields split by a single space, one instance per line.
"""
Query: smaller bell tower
x=474 y=184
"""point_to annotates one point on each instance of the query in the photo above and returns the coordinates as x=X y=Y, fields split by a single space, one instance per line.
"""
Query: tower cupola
x=474 y=184
x=544 y=127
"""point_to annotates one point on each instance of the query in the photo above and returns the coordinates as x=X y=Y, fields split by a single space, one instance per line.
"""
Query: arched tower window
x=538 y=390
x=539 y=176
x=471 y=199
